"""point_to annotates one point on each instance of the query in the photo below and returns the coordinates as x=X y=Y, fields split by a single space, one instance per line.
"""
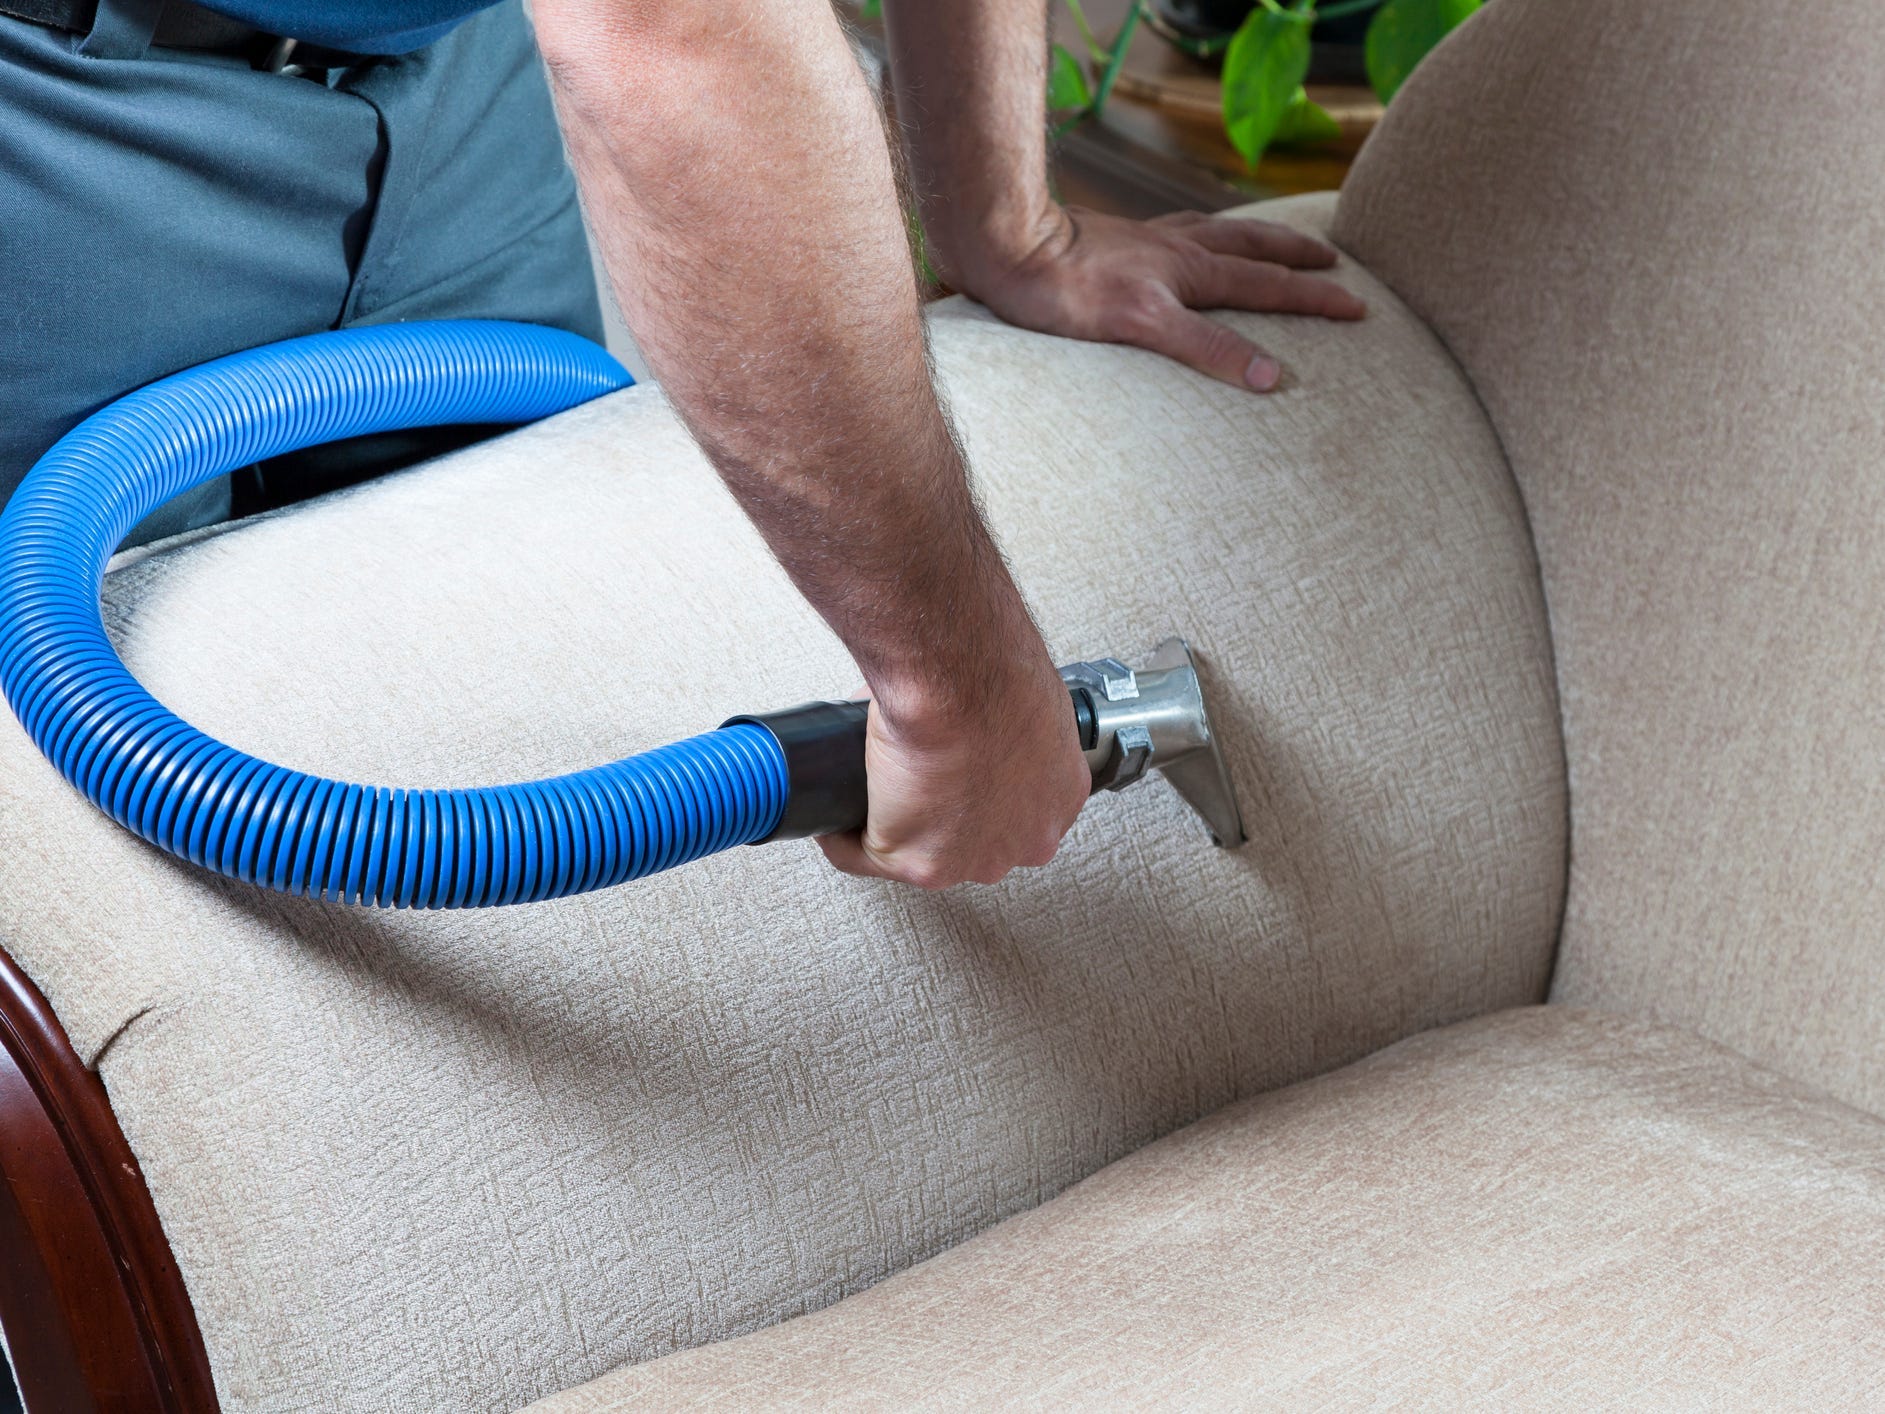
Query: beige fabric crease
x=461 y=1162
x=1544 y=1209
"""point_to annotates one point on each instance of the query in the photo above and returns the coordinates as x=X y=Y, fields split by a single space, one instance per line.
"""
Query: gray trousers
x=160 y=207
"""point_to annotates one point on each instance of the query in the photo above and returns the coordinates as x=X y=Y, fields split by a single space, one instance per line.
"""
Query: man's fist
x=963 y=791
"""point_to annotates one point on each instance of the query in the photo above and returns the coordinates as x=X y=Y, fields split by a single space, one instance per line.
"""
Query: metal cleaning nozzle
x=1133 y=720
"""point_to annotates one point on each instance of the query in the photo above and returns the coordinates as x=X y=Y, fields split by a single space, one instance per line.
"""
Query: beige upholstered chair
x=1530 y=1055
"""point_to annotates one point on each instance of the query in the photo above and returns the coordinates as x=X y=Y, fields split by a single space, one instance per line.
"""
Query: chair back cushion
x=1654 y=236
x=458 y=1161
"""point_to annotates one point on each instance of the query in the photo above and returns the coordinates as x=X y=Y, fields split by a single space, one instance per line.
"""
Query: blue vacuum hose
x=187 y=793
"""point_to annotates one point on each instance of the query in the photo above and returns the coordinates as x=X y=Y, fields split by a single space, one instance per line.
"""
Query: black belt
x=183 y=25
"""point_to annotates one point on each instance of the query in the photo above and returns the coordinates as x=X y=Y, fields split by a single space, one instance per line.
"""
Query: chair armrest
x=94 y=1309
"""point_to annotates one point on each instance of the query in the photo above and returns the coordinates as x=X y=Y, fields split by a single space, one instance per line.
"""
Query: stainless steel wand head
x=1153 y=718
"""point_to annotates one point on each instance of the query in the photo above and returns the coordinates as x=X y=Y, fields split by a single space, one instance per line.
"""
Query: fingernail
x=1263 y=373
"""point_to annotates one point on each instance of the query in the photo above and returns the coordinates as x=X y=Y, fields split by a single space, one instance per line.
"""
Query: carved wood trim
x=95 y=1310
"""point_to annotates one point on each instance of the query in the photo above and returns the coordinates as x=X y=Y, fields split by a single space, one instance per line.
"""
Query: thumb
x=846 y=853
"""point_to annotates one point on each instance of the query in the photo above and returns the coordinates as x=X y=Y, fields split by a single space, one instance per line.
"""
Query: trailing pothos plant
x=1265 y=63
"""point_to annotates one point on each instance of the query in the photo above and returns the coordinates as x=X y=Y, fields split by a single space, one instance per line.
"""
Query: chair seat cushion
x=1545 y=1205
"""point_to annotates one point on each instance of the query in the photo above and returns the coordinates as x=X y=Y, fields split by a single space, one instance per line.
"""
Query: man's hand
x=955 y=798
x=969 y=76
x=1092 y=276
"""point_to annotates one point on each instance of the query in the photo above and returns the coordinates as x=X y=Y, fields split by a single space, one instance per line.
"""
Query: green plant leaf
x=871 y=10
x=1400 y=35
x=1066 y=82
x=1263 y=71
x=1303 y=123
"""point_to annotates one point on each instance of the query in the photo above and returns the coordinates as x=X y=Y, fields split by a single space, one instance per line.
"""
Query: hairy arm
x=735 y=170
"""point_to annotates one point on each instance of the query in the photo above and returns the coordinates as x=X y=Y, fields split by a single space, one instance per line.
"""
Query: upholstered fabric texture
x=1543 y=1209
x=1652 y=236
x=461 y=1162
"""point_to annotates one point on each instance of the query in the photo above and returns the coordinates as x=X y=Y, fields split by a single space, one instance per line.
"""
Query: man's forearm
x=970 y=78
x=734 y=166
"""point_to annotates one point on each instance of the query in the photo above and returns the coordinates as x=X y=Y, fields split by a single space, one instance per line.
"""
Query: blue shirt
x=358 y=26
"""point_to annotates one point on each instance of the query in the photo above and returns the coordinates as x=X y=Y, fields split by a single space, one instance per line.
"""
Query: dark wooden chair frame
x=95 y=1311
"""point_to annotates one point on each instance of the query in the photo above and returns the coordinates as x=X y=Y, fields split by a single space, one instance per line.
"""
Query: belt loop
x=122 y=29
x=276 y=60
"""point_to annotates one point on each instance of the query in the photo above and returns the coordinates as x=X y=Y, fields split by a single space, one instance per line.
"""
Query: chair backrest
x=1654 y=236
x=457 y=1161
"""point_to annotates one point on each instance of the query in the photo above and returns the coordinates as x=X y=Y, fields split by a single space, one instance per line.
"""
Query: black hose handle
x=823 y=744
